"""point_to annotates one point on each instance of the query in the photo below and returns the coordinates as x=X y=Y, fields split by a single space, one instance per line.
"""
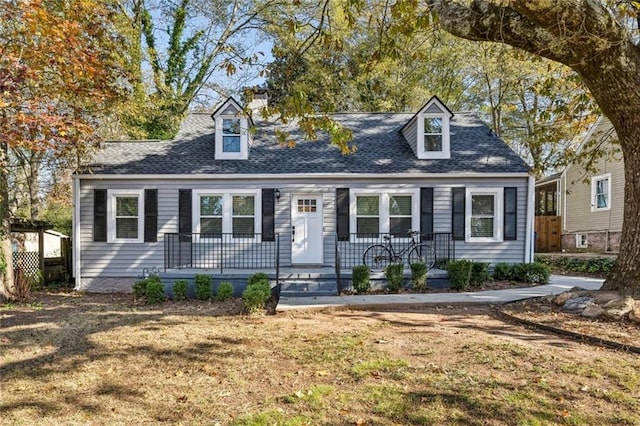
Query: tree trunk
x=6 y=277
x=625 y=277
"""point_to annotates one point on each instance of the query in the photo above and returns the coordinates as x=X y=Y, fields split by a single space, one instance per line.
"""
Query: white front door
x=306 y=229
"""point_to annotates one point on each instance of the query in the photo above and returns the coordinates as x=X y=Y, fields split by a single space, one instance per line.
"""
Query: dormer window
x=428 y=131
x=232 y=132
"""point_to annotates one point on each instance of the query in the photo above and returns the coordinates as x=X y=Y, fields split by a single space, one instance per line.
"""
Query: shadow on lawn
x=58 y=330
x=462 y=317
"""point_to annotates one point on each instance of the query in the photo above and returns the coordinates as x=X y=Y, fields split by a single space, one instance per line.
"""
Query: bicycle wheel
x=423 y=253
x=377 y=257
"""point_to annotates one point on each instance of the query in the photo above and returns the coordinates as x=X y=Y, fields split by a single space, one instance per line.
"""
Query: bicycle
x=379 y=256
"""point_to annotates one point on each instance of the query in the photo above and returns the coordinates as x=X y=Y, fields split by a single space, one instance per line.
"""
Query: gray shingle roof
x=382 y=149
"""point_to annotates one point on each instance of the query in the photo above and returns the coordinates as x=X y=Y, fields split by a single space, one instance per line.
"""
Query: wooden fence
x=548 y=234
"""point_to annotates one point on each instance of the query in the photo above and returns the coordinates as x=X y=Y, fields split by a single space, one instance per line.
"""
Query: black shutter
x=268 y=214
x=510 y=213
x=184 y=214
x=99 y=215
x=426 y=213
x=342 y=213
x=150 y=215
x=457 y=213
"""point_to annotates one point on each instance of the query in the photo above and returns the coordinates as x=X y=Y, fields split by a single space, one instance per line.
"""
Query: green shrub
x=361 y=277
x=533 y=273
x=180 y=289
x=203 y=286
x=154 y=291
x=441 y=263
x=255 y=296
x=225 y=291
x=140 y=288
x=459 y=273
x=568 y=264
x=479 y=273
x=257 y=277
x=419 y=276
x=503 y=272
x=395 y=276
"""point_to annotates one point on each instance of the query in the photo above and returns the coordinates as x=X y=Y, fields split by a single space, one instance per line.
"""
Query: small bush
x=255 y=296
x=361 y=277
x=503 y=272
x=533 y=273
x=203 y=286
x=479 y=273
x=257 y=277
x=225 y=291
x=419 y=276
x=180 y=289
x=154 y=291
x=140 y=288
x=459 y=273
x=441 y=263
x=395 y=276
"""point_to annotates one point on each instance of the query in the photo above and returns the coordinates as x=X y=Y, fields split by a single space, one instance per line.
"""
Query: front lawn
x=102 y=359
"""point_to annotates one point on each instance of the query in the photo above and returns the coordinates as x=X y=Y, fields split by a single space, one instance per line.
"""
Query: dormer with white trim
x=428 y=131
x=232 y=136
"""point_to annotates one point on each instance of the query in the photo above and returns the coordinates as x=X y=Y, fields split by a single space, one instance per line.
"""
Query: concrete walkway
x=557 y=284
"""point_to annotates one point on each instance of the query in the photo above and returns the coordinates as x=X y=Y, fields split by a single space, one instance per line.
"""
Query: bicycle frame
x=399 y=255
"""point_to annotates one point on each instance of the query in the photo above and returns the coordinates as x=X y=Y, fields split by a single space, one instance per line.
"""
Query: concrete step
x=306 y=288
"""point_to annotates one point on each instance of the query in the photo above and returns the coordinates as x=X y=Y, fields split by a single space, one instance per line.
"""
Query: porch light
x=277 y=193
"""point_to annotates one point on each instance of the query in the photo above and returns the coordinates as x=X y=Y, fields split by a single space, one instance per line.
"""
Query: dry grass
x=98 y=359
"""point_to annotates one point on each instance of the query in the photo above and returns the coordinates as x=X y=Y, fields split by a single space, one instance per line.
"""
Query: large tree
x=598 y=40
x=57 y=72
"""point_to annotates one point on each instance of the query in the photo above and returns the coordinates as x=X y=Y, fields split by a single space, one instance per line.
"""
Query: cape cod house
x=224 y=196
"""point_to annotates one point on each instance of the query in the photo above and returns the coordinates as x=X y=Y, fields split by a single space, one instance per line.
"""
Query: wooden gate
x=547 y=234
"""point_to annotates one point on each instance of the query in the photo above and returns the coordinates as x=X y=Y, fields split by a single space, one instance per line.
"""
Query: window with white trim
x=601 y=192
x=125 y=216
x=484 y=215
x=237 y=213
x=582 y=241
x=231 y=132
x=433 y=131
x=375 y=212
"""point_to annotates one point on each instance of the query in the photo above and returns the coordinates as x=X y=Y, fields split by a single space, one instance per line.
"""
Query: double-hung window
x=601 y=192
x=211 y=216
x=400 y=218
x=484 y=215
x=376 y=212
x=432 y=134
x=367 y=215
x=125 y=215
x=230 y=135
x=243 y=216
x=234 y=213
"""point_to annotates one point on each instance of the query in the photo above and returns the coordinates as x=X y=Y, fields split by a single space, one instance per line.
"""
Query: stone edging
x=584 y=338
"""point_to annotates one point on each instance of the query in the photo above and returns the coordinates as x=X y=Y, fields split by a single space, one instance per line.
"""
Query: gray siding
x=105 y=260
x=577 y=192
x=410 y=133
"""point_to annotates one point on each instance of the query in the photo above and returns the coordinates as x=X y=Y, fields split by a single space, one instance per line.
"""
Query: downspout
x=76 y=233
x=528 y=241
